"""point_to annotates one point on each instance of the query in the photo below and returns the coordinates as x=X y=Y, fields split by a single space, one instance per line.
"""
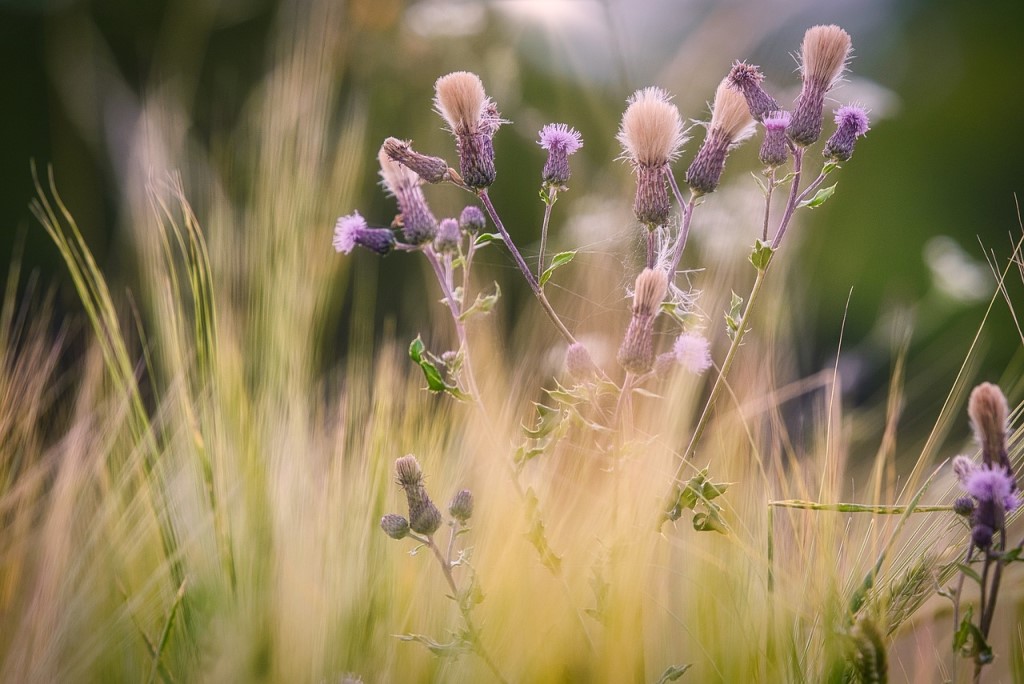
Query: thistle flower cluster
x=424 y=517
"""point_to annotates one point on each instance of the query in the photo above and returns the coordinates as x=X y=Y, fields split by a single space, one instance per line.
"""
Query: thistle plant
x=991 y=494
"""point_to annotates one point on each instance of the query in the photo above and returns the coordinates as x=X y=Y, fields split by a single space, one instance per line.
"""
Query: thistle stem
x=794 y=196
x=524 y=269
x=684 y=229
x=444 y=279
x=549 y=203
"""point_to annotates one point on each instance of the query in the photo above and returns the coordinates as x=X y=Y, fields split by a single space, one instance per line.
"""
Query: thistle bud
x=981 y=536
x=823 y=57
x=395 y=526
x=731 y=123
x=775 y=148
x=430 y=169
x=852 y=123
x=417 y=221
x=651 y=135
x=461 y=506
x=561 y=142
x=473 y=118
x=747 y=79
x=964 y=505
x=352 y=230
x=425 y=519
x=448 y=236
x=578 y=363
x=472 y=220
x=636 y=354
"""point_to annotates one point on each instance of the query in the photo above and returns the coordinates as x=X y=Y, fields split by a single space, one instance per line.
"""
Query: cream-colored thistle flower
x=824 y=53
x=460 y=99
x=651 y=288
x=418 y=223
x=636 y=354
x=730 y=114
x=651 y=132
x=988 y=411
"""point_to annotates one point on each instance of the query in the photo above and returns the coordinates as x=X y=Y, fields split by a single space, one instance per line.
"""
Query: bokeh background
x=900 y=247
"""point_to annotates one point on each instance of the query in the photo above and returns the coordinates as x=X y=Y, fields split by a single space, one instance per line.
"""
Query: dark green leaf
x=762 y=255
x=435 y=381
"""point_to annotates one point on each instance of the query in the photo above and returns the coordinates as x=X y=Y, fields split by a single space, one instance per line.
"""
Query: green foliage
x=435 y=381
x=557 y=261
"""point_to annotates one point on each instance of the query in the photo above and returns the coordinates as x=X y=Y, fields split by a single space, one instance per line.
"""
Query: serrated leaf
x=523 y=455
x=435 y=381
x=819 y=198
x=483 y=304
x=762 y=255
x=557 y=261
x=547 y=420
x=672 y=673
x=709 y=521
x=487 y=238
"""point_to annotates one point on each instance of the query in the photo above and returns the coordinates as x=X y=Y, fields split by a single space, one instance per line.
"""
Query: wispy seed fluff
x=988 y=411
x=651 y=135
x=747 y=79
x=418 y=223
x=823 y=57
x=636 y=354
x=473 y=118
x=731 y=124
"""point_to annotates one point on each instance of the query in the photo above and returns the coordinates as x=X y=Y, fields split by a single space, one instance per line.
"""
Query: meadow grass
x=204 y=502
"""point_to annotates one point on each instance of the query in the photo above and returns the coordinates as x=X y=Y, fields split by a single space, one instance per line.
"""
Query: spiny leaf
x=762 y=255
x=483 y=303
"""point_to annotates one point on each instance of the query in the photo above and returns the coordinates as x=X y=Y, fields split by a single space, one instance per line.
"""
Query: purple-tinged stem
x=794 y=196
x=768 y=204
x=684 y=229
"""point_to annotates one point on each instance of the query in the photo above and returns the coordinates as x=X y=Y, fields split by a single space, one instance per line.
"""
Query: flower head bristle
x=651 y=131
x=345 y=232
x=730 y=114
x=460 y=99
x=395 y=177
x=747 y=79
x=560 y=141
x=988 y=411
x=824 y=54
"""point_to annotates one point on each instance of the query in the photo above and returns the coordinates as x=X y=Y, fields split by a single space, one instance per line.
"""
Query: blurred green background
x=928 y=191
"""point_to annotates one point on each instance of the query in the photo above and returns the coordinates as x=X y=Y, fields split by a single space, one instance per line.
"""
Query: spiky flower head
x=430 y=169
x=448 y=236
x=992 y=484
x=352 y=230
x=988 y=411
x=823 y=57
x=851 y=123
x=747 y=79
x=964 y=506
x=731 y=123
x=561 y=142
x=408 y=472
x=395 y=526
x=473 y=118
x=693 y=352
x=417 y=221
x=651 y=135
x=636 y=354
x=461 y=506
x=774 y=150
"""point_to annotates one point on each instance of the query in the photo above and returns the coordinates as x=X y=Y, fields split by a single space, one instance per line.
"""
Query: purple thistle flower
x=775 y=148
x=472 y=219
x=852 y=122
x=352 y=230
x=990 y=484
x=561 y=142
x=747 y=79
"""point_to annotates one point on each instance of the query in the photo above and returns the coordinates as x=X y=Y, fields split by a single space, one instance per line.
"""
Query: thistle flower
x=651 y=135
x=747 y=79
x=417 y=221
x=823 y=57
x=424 y=518
x=992 y=484
x=636 y=354
x=692 y=352
x=352 y=230
x=472 y=220
x=561 y=142
x=852 y=123
x=775 y=148
x=408 y=472
x=473 y=119
x=988 y=411
x=461 y=506
x=448 y=236
x=430 y=169
x=395 y=526
x=731 y=124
